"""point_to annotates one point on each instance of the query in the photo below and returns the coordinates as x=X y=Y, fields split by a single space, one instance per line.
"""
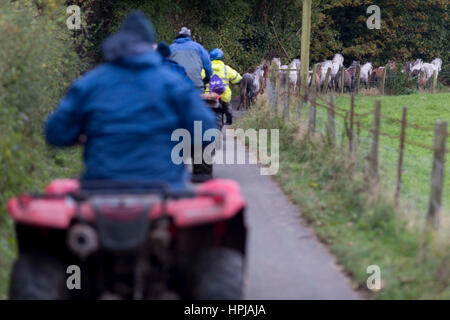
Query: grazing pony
x=334 y=65
x=407 y=67
x=416 y=67
x=293 y=76
x=250 y=86
x=349 y=82
x=322 y=69
x=366 y=70
x=337 y=63
x=427 y=71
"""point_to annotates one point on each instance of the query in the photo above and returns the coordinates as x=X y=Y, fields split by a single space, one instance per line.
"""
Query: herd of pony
x=254 y=80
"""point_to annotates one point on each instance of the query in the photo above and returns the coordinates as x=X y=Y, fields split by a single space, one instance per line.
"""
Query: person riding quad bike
x=165 y=52
x=130 y=226
x=127 y=109
x=222 y=76
x=193 y=57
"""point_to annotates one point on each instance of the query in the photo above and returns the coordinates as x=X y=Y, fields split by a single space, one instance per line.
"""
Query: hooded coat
x=128 y=109
x=193 y=57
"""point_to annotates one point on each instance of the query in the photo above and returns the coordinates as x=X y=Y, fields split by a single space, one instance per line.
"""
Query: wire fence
x=391 y=159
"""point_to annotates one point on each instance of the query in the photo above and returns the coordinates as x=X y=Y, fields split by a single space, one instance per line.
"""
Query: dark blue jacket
x=193 y=57
x=128 y=109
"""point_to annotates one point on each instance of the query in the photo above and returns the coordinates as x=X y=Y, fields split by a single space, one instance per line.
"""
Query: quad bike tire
x=220 y=118
x=36 y=276
x=218 y=275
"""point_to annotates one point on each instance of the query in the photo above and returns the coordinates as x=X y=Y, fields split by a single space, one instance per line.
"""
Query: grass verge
x=358 y=221
x=49 y=164
x=423 y=110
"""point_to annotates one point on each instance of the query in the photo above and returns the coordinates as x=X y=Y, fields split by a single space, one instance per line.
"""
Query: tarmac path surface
x=285 y=259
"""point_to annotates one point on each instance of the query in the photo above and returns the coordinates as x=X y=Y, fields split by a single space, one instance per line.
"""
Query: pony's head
x=338 y=59
x=438 y=63
x=277 y=61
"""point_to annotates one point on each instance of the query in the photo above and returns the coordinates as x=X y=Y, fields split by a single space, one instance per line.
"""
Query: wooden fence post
x=373 y=156
x=270 y=85
x=312 y=114
x=352 y=113
x=286 y=93
x=327 y=78
x=313 y=78
x=331 y=130
x=433 y=90
x=383 y=81
x=358 y=133
x=400 y=157
x=300 y=90
x=342 y=80
x=277 y=89
x=358 y=78
x=437 y=174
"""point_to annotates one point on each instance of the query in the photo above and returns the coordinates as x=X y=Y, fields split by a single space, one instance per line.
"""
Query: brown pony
x=422 y=79
x=377 y=74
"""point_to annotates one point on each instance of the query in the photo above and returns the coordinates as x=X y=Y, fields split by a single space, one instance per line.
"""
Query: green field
x=423 y=110
x=359 y=223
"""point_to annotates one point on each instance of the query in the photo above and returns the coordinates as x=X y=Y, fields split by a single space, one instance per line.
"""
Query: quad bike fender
x=57 y=214
x=217 y=200
x=207 y=209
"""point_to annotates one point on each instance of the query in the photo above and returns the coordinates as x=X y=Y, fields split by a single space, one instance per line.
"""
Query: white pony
x=293 y=75
x=277 y=61
x=438 y=63
x=338 y=62
x=335 y=65
x=366 y=70
x=323 y=71
x=426 y=70
x=417 y=66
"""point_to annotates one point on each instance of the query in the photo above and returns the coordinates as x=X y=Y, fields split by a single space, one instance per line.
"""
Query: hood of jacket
x=135 y=37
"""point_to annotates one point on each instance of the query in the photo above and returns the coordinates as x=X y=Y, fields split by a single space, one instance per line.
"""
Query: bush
x=398 y=83
x=37 y=63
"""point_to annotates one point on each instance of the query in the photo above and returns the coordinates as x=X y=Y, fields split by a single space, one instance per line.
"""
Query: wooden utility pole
x=305 y=44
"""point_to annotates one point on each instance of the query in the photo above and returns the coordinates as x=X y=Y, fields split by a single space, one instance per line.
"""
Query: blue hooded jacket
x=128 y=109
x=193 y=57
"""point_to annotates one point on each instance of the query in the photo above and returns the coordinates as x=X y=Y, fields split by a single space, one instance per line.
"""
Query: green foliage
x=37 y=63
x=249 y=31
x=398 y=83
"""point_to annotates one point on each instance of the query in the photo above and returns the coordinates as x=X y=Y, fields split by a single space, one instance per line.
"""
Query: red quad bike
x=213 y=101
x=147 y=243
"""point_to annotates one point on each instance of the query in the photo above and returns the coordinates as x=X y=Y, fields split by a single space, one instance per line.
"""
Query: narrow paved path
x=285 y=259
